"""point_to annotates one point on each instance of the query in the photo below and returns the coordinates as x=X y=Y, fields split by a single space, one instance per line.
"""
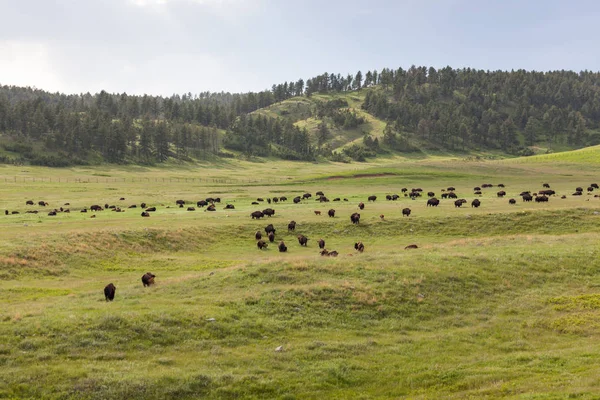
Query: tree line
x=451 y=108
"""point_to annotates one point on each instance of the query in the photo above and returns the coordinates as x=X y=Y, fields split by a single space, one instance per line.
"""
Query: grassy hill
x=499 y=301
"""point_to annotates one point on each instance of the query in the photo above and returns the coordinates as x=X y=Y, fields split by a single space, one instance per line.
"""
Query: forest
x=454 y=109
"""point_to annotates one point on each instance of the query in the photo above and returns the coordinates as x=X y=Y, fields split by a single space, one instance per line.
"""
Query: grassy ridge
x=500 y=301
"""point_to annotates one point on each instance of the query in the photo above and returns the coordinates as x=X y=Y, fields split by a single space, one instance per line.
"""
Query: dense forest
x=455 y=109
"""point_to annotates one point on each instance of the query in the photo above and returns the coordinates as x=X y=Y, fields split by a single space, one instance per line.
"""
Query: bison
x=145 y=214
x=541 y=199
x=269 y=212
x=406 y=212
x=229 y=207
x=42 y=203
x=191 y=209
x=501 y=193
x=271 y=236
x=321 y=243
x=359 y=246
x=475 y=203
x=282 y=247
x=303 y=240
x=269 y=228
x=595 y=186
x=109 y=292
x=292 y=226
x=411 y=246
x=433 y=202
x=143 y=205
x=361 y=205
x=546 y=185
x=261 y=244
x=527 y=197
x=331 y=213
x=148 y=279
x=201 y=203
x=258 y=235
x=355 y=218
x=151 y=209
x=96 y=207
x=297 y=200
x=430 y=194
x=458 y=203
x=29 y=202
x=372 y=198
x=512 y=201
x=317 y=212
x=180 y=202
x=257 y=215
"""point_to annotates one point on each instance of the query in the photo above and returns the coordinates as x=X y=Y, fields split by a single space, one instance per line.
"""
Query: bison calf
x=261 y=244
x=148 y=279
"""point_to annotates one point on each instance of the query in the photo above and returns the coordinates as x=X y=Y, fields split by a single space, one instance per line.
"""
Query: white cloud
x=28 y=64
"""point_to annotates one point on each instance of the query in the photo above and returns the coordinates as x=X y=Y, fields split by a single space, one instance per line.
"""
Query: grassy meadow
x=502 y=301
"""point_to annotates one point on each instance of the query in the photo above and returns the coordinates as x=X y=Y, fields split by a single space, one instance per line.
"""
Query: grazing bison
x=458 y=203
x=411 y=246
x=191 y=209
x=451 y=189
x=122 y=199
x=548 y=192
x=180 y=202
x=275 y=199
x=292 y=226
x=145 y=214
x=433 y=202
x=282 y=198
x=271 y=236
x=476 y=189
x=306 y=196
x=478 y=193
x=590 y=189
x=359 y=246
x=501 y=185
x=321 y=243
x=431 y=194
x=475 y=203
x=579 y=189
x=151 y=209
x=501 y=193
x=595 y=186
x=269 y=212
x=337 y=199
x=42 y=203
x=578 y=193
x=317 y=212
x=6 y=212
x=320 y=193
x=395 y=197
x=229 y=207
x=258 y=235
x=361 y=205
x=29 y=202
x=261 y=244
x=487 y=185
x=16 y=212
x=260 y=199
x=404 y=190
x=109 y=292
x=355 y=218
x=303 y=240
x=512 y=201
x=143 y=205
x=331 y=213
x=406 y=212
x=541 y=199
x=269 y=200
x=452 y=195
x=372 y=198
x=445 y=195
x=96 y=207
x=51 y=213
x=133 y=206
x=297 y=200
x=269 y=228
x=323 y=199
x=257 y=215
x=282 y=247
x=527 y=197
x=202 y=203
x=546 y=185
x=388 y=197
x=148 y=279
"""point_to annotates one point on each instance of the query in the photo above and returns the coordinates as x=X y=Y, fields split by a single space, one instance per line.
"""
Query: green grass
x=497 y=302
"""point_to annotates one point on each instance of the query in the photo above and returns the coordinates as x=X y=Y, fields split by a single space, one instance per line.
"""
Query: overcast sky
x=179 y=46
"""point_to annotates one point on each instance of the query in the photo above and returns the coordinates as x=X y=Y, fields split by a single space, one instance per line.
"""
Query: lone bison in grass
x=406 y=212
x=475 y=203
x=109 y=292
x=359 y=246
x=372 y=198
x=331 y=213
x=355 y=218
x=321 y=243
x=292 y=226
x=411 y=246
x=303 y=240
x=148 y=279
x=261 y=244
x=546 y=185
x=282 y=247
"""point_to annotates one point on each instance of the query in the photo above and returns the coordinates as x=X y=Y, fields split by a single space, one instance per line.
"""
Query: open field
x=502 y=301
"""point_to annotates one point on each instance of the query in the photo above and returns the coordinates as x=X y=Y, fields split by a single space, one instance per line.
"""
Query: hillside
x=419 y=110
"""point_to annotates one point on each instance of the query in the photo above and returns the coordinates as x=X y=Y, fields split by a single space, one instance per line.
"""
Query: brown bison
x=433 y=202
x=257 y=215
x=355 y=218
x=371 y=198
x=269 y=212
x=331 y=213
x=229 y=207
x=148 y=279
x=546 y=185
x=317 y=212
x=133 y=206
x=145 y=214
x=191 y=209
x=29 y=202
x=297 y=200
x=458 y=203
x=51 y=213
x=406 y=212
x=96 y=207
x=42 y=203
x=109 y=292
x=201 y=203
x=211 y=208
x=411 y=246
x=361 y=205
x=501 y=193
x=431 y=194
x=359 y=246
x=282 y=247
x=292 y=226
x=512 y=201
x=475 y=203
x=382 y=217
x=258 y=235
x=321 y=243
x=143 y=205
x=271 y=237
x=261 y=244
x=180 y=202
x=595 y=186
x=303 y=240
x=269 y=228
x=527 y=197
x=151 y=209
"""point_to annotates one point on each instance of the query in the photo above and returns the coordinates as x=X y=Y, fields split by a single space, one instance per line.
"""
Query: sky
x=165 y=47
